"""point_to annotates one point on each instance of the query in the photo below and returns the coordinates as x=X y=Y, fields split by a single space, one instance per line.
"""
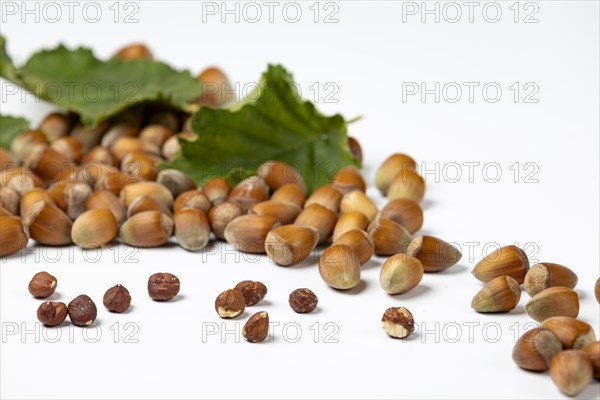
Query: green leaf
x=7 y=69
x=11 y=127
x=273 y=123
x=76 y=81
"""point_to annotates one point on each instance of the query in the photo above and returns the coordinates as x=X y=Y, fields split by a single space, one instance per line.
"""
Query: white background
x=371 y=55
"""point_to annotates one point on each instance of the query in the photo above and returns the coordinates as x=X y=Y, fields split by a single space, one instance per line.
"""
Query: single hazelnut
x=230 y=303
x=400 y=273
x=339 y=267
x=256 y=328
x=52 y=313
x=303 y=301
x=163 y=286
x=253 y=291
x=42 y=285
x=117 y=299
x=571 y=371
x=82 y=311
x=398 y=322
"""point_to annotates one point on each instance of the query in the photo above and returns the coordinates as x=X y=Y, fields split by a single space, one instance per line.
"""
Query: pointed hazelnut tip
x=501 y=294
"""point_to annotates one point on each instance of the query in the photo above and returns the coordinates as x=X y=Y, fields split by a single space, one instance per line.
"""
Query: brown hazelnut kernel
x=82 y=311
x=303 y=301
x=163 y=286
x=52 y=313
x=117 y=299
x=253 y=291
x=42 y=285
x=230 y=303
x=256 y=328
x=398 y=322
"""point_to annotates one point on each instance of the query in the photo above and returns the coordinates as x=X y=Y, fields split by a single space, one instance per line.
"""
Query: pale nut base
x=224 y=313
x=395 y=330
